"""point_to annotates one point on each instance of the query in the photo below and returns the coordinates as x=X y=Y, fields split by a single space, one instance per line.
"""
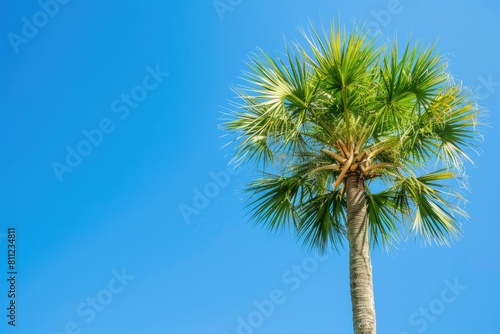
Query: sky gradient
x=128 y=218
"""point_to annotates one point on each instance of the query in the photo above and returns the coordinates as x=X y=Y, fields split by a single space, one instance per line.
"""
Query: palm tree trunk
x=360 y=268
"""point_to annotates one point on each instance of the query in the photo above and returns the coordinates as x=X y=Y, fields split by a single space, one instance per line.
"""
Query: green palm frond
x=274 y=201
x=323 y=220
x=435 y=205
x=458 y=130
x=383 y=214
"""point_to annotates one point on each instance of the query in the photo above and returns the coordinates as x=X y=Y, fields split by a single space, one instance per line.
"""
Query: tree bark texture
x=360 y=268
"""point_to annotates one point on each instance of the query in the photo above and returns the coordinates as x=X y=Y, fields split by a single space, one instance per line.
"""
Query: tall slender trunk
x=360 y=268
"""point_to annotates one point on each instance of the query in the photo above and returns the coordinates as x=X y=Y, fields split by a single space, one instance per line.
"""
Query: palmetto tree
x=360 y=143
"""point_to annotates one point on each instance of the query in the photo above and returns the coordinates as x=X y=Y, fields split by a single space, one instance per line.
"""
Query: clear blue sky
x=108 y=128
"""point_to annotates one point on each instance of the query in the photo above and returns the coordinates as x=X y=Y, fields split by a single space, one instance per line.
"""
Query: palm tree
x=359 y=142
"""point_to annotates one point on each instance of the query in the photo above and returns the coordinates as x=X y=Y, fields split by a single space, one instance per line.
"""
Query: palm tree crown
x=345 y=105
